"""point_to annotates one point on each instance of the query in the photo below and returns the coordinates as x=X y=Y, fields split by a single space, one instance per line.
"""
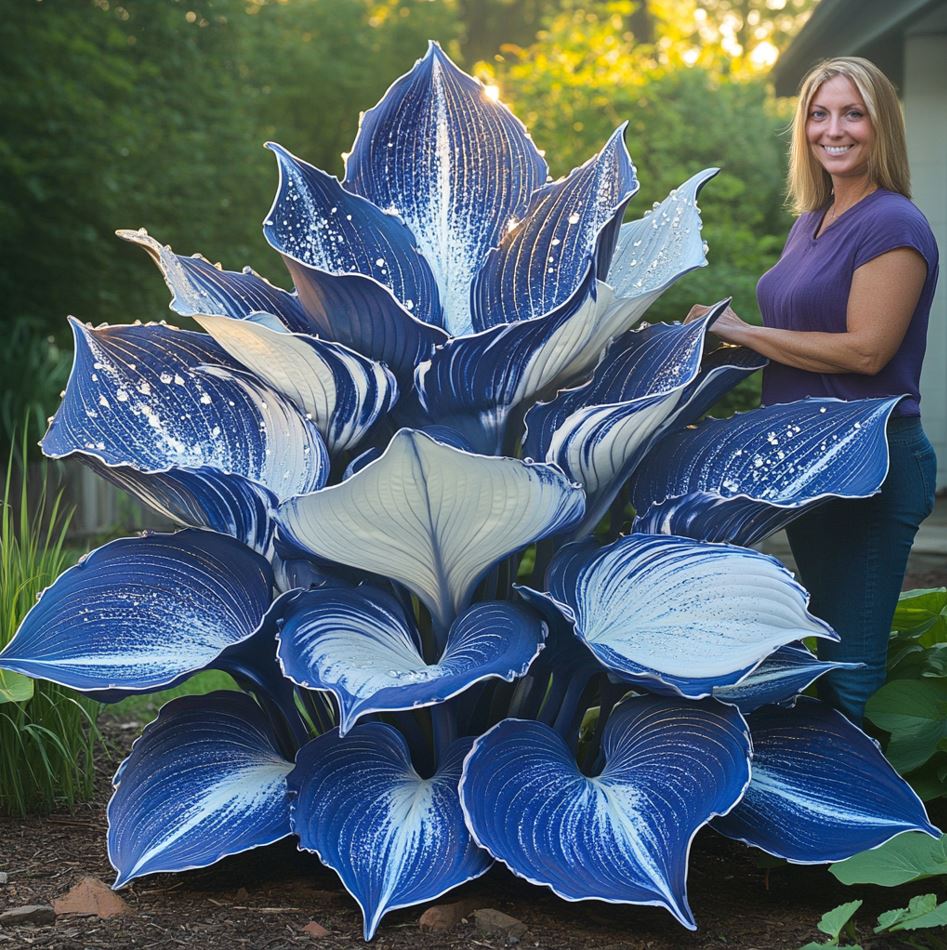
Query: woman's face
x=838 y=129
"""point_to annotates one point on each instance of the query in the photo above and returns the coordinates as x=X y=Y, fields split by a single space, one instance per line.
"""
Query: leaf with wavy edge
x=569 y=228
x=197 y=286
x=622 y=836
x=486 y=375
x=141 y=613
x=359 y=645
x=433 y=517
x=456 y=165
x=321 y=226
x=670 y=612
x=394 y=838
x=342 y=392
x=742 y=478
x=205 y=780
x=778 y=679
x=821 y=789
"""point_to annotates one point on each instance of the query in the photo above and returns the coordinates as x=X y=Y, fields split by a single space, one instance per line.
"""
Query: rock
x=35 y=915
x=4 y=877
x=443 y=917
x=495 y=923
x=91 y=898
x=315 y=930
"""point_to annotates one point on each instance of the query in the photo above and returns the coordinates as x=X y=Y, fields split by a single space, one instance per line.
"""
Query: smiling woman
x=845 y=314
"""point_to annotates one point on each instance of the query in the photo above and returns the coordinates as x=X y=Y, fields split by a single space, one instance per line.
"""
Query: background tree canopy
x=153 y=112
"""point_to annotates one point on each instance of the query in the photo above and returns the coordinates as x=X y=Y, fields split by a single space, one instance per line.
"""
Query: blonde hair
x=809 y=184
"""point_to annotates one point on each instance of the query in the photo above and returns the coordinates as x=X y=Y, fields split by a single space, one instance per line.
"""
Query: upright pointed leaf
x=140 y=613
x=205 y=780
x=622 y=836
x=456 y=165
x=673 y=612
x=359 y=645
x=821 y=789
x=342 y=392
x=742 y=478
x=433 y=517
x=394 y=839
x=321 y=226
x=568 y=230
x=197 y=286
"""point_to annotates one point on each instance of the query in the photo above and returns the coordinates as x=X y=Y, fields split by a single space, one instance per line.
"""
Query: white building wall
x=925 y=108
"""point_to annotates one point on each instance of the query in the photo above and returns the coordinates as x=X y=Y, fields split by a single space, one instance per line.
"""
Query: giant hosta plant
x=401 y=486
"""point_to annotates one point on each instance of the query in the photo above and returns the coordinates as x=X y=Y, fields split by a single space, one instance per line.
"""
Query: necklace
x=833 y=213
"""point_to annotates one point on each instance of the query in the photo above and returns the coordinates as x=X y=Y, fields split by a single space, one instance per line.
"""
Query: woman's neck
x=847 y=192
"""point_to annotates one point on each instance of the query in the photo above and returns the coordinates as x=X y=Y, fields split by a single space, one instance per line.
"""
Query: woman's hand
x=729 y=326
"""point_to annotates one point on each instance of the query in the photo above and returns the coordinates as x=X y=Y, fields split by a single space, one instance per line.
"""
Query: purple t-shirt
x=808 y=289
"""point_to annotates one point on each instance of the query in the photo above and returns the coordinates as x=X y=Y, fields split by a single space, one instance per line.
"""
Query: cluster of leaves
x=361 y=463
x=911 y=707
x=48 y=735
x=922 y=913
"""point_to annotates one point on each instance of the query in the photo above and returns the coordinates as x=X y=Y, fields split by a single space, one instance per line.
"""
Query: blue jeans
x=852 y=555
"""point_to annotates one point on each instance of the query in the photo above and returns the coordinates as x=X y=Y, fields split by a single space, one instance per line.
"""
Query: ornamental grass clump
x=362 y=466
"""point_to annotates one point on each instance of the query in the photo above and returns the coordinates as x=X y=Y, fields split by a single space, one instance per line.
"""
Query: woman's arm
x=881 y=302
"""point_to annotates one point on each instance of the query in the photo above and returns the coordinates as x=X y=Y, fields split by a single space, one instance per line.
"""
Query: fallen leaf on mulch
x=315 y=929
x=91 y=898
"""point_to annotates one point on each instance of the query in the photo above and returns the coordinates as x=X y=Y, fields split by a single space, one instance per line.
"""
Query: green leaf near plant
x=909 y=857
x=835 y=921
x=921 y=913
x=14 y=687
x=914 y=711
x=922 y=614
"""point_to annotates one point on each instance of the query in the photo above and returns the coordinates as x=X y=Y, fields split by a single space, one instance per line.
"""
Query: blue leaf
x=359 y=645
x=342 y=392
x=654 y=250
x=362 y=314
x=323 y=227
x=568 y=231
x=622 y=836
x=670 y=612
x=821 y=789
x=598 y=432
x=778 y=679
x=204 y=781
x=433 y=517
x=199 y=287
x=457 y=167
x=394 y=839
x=742 y=478
x=142 y=613
x=143 y=402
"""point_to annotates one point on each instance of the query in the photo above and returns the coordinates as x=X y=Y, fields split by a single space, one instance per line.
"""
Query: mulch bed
x=263 y=899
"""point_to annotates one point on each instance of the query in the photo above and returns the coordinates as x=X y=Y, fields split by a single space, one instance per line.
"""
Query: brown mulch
x=263 y=899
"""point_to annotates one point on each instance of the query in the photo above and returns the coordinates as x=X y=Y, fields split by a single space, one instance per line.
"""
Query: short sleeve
x=897 y=225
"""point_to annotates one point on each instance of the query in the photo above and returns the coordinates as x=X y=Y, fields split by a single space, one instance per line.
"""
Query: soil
x=263 y=899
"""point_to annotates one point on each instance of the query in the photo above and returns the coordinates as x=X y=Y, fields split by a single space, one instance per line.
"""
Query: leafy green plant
x=909 y=857
x=836 y=922
x=912 y=705
x=922 y=913
x=47 y=733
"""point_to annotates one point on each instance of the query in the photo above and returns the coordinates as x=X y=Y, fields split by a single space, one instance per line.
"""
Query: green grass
x=144 y=708
x=48 y=734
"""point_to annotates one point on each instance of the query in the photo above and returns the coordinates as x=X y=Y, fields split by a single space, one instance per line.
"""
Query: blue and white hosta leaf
x=486 y=375
x=433 y=517
x=395 y=839
x=342 y=392
x=359 y=645
x=360 y=313
x=651 y=250
x=568 y=230
x=197 y=286
x=456 y=165
x=321 y=226
x=140 y=613
x=742 y=478
x=622 y=836
x=821 y=789
x=657 y=609
x=778 y=679
x=205 y=780
x=598 y=432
